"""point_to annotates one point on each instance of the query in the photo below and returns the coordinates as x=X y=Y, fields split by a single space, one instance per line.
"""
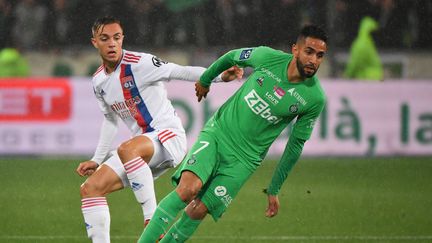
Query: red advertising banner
x=61 y=116
x=47 y=99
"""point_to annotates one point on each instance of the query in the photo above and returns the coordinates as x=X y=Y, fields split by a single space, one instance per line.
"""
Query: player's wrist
x=204 y=84
x=97 y=161
x=269 y=191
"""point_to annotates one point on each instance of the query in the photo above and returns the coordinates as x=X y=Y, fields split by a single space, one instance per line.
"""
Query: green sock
x=166 y=212
x=181 y=230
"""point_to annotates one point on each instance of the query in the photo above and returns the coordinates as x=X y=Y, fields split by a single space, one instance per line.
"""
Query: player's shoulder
x=141 y=59
x=267 y=52
x=270 y=51
x=98 y=75
x=133 y=57
x=98 y=71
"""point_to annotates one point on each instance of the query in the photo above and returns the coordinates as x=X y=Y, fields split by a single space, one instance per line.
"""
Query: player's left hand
x=232 y=73
x=200 y=91
x=273 y=206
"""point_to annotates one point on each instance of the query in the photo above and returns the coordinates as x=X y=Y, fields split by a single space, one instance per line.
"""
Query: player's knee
x=125 y=149
x=89 y=189
x=187 y=192
x=189 y=186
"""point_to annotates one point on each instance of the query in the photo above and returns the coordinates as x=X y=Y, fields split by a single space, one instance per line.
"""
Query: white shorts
x=169 y=149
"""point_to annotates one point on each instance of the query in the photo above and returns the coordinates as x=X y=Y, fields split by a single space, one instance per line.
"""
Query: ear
x=93 y=41
x=294 y=49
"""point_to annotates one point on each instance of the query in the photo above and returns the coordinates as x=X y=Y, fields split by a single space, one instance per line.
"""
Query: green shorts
x=219 y=169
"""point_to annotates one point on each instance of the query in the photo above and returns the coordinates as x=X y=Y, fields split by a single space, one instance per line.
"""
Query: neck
x=293 y=73
x=110 y=66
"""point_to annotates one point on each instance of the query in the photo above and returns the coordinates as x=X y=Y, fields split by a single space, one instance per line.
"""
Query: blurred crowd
x=46 y=24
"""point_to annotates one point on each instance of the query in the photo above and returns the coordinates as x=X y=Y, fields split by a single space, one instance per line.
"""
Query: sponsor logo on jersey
x=191 y=160
x=245 y=54
x=157 y=62
x=272 y=99
x=220 y=191
x=293 y=108
x=296 y=95
x=127 y=82
x=272 y=75
x=260 y=107
x=126 y=108
x=102 y=92
x=278 y=92
x=260 y=81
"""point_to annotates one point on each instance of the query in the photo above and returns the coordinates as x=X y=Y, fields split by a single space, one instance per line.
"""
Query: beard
x=301 y=69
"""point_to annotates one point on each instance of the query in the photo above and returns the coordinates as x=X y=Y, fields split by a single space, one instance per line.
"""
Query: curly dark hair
x=314 y=32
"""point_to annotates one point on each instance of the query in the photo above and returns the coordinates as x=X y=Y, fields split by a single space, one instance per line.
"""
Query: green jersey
x=265 y=104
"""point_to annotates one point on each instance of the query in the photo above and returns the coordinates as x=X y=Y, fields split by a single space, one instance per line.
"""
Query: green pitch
x=323 y=200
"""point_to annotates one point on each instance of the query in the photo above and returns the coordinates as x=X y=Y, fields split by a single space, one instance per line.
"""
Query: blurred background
x=54 y=35
x=364 y=176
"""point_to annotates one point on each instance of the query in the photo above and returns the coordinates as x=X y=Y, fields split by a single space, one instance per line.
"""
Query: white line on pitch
x=249 y=238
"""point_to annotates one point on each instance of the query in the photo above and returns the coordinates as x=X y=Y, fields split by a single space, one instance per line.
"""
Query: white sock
x=141 y=181
x=96 y=218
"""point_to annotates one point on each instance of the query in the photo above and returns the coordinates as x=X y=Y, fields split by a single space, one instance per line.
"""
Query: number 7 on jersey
x=204 y=145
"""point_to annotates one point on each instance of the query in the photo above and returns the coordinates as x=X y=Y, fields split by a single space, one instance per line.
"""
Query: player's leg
x=94 y=205
x=170 y=206
x=135 y=155
x=196 y=169
x=188 y=222
x=214 y=198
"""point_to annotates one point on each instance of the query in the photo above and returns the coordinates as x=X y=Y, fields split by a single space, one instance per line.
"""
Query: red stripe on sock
x=135 y=167
x=89 y=199
x=94 y=205
x=94 y=201
x=133 y=162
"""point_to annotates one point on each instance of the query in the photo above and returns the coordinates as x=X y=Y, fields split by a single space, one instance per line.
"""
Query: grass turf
x=336 y=200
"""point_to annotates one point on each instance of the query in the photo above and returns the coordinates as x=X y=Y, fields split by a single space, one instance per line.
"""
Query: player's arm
x=193 y=73
x=107 y=134
x=289 y=158
x=301 y=132
x=244 y=57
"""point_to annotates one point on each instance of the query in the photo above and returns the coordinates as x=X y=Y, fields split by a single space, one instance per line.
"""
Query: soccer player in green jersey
x=283 y=87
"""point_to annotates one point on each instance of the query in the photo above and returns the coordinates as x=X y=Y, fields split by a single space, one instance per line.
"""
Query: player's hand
x=200 y=91
x=232 y=73
x=87 y=168
x=273 y=206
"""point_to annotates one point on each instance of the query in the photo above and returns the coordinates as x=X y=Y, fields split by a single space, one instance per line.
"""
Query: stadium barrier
x=57 y=116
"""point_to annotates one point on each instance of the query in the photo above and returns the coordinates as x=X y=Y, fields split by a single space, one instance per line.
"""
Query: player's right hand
x=232 y=73
x=87 y=168
x=200 y=91
x=273 y=206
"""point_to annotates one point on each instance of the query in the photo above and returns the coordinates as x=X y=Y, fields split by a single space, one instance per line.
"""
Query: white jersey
x=135 y=93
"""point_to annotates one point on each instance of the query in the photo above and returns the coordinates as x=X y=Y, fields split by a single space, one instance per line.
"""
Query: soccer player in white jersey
x=128 y=86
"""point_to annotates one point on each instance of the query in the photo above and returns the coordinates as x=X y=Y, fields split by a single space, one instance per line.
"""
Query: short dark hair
x=104 y=21
x=314 y=32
